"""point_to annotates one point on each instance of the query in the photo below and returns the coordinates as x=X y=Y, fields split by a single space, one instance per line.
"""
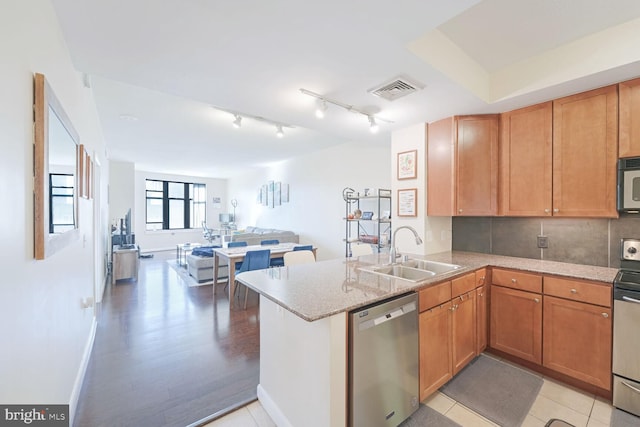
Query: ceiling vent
x=396 y=88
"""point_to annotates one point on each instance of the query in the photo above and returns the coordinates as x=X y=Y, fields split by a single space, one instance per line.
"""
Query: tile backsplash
x=579 y=241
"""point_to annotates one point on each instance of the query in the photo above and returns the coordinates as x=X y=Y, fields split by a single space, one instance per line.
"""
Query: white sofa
x=255 y=235
x=201 y=268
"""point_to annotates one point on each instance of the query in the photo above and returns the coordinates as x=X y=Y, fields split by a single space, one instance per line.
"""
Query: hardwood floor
x=166 y=354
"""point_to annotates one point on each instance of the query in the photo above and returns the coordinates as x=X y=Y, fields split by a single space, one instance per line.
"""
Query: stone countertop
x=318 y=290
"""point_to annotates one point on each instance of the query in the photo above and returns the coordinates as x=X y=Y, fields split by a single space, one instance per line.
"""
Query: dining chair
x=298 y=257
x=270 y=242
x=275 y=262
x=237 y=245
x=254 y=260
x=361 y=249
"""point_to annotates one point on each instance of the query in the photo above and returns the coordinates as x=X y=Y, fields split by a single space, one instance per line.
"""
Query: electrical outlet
x=543 y=242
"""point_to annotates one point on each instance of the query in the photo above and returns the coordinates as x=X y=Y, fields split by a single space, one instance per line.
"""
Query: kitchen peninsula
x=304 y=322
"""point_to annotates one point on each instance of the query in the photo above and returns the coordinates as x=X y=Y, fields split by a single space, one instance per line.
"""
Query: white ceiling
x=167 y=63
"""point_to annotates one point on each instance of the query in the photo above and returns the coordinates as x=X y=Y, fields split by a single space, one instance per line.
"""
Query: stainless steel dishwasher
x=383 y=362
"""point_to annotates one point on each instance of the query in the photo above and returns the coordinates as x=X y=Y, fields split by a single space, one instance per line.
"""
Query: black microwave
x=629 y=185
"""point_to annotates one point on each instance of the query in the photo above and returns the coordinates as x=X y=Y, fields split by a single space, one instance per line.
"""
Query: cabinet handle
x=481 y=294
x=481 y=281
x=547 y=210
x=573 y=291
x=453 y=308
x=537 y=300
x=459 y=210
x=513 y=280
x=556 y=210
x=630 y=386
x=605 y=315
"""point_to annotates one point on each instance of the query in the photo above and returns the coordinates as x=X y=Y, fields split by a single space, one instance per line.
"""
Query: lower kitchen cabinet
x=447 y=331
x=577 y=340
x=516 y=323
x=463 y=330
x=435 y=349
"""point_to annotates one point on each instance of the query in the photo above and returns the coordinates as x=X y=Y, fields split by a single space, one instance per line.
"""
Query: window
x=61 y=212
x=174 y=205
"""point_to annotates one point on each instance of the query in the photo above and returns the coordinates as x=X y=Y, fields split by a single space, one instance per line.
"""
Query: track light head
x=279 y=131
x=238 y=121
x=321 y=108
x=373 y=126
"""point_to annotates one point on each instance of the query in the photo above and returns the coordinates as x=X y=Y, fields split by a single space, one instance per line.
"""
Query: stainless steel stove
x=626 y=329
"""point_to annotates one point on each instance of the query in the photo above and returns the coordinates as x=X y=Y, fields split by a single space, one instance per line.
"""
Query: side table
x=182 y=250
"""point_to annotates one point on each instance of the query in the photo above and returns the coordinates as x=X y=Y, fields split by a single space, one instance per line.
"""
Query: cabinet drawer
x=517 y=280
x=462 y=285
x=577 y=290
x=434 y=295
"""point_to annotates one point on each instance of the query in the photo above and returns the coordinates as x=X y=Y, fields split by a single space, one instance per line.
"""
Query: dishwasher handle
x=629 y=299
x=388 y=316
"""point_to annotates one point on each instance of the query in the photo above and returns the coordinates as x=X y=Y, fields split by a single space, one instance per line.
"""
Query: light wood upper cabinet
x=629 y=133
x=477 y=165
x=585 y=135
x=526 y=161
x=462 y=166
x=440 y=162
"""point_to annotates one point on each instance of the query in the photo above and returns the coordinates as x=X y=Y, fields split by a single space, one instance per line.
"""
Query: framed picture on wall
x=407 y=202
x=407 y=164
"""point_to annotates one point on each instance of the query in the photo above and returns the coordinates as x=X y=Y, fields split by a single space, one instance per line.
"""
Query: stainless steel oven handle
x=637 y=301
x=630 y=386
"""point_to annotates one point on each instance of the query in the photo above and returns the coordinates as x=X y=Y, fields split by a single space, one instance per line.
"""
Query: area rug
x=623 y=419
x=428 y=417
x=496 y=390
x=184 y=274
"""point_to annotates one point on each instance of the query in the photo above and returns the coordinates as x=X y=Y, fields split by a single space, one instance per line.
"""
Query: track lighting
x=373 y=126
x=237 y=120
x=322 y=107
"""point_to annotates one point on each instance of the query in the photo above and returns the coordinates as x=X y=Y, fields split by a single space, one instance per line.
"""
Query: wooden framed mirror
x=55 y=161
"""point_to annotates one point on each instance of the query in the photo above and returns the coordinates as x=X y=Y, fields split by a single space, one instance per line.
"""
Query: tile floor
x=555 y=400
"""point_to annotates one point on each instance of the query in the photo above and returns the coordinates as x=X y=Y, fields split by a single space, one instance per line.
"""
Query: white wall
x=168 y=239
x=434 y=231
x=316 y=209
x=43 y=328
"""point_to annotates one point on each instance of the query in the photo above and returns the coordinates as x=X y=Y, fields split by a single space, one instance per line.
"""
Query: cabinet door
x=516 y=323
x=463 y=326
x=482 y=306
x=577 y=340
x=629 y=138
x=585 y=135
x=435 y=349
x=481 y=318
x=440 y=200
x=526 y=155
x=476 y=165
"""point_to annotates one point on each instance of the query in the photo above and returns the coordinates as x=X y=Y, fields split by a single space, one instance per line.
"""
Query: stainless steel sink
x=402 y=272
x=431 y=266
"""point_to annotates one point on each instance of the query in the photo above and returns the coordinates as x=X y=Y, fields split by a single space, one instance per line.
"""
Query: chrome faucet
x=392 y=251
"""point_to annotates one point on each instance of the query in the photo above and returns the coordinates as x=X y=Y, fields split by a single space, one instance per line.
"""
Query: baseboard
x=84 y=363
x=272 y=409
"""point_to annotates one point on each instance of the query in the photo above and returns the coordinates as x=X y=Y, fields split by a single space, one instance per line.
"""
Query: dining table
x=236 y=254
